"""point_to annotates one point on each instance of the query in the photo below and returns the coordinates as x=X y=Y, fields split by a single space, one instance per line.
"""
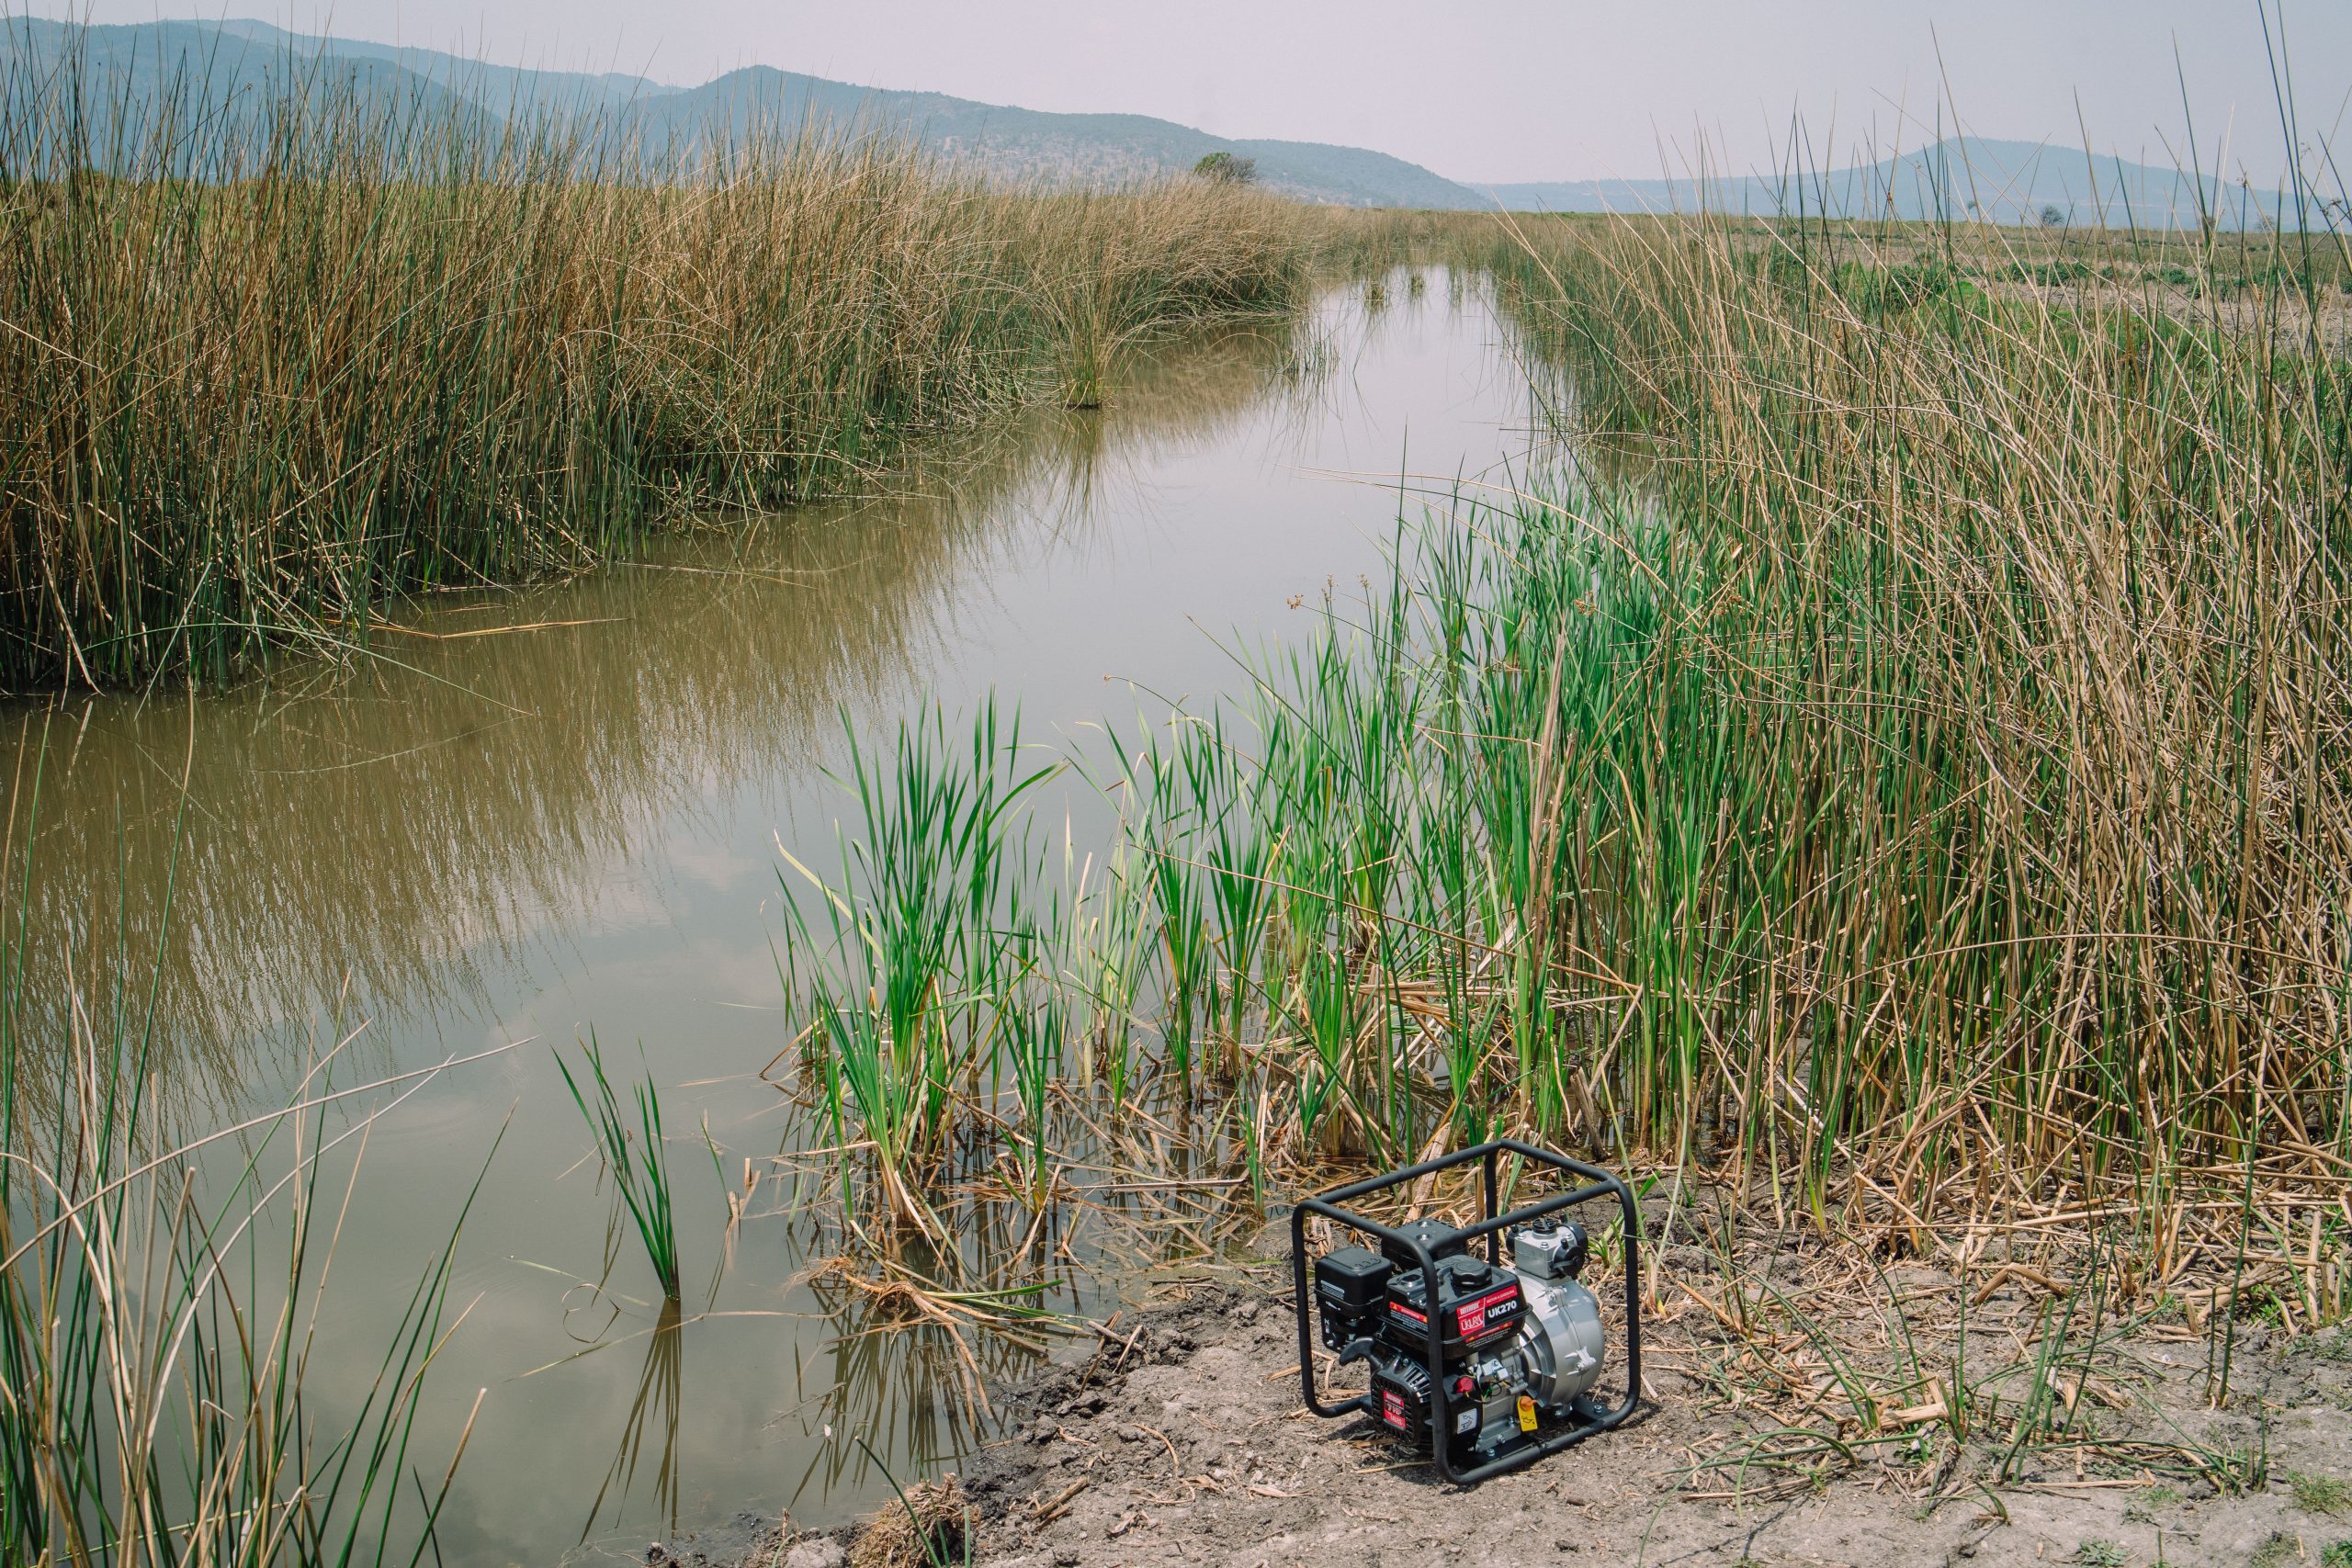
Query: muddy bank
x=1178 y=1437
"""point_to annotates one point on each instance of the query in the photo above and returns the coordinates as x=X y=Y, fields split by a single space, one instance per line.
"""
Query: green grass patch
x=2320 y=1494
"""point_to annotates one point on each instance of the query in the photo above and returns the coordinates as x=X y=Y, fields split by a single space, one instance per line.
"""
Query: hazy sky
x=1482 y=90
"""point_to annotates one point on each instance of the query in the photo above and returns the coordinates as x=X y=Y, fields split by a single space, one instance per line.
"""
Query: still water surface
x=546 y=812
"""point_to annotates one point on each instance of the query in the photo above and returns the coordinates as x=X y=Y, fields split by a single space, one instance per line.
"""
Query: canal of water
x=522 y=817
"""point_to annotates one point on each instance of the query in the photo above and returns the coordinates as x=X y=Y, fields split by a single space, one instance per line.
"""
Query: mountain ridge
x=2003 y=180
x=241 y=61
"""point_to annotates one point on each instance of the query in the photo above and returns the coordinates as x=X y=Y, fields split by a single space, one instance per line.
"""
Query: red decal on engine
x=1391 y=1409
x=1472 y=1315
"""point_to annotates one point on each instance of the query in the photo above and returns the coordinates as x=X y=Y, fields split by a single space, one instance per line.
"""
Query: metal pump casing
x=1485 y=1368
x=1563 y=1342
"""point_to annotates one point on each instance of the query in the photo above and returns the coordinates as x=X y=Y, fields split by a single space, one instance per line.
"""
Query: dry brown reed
x=2031 y=603
x=933 y=1525
x=368 y=354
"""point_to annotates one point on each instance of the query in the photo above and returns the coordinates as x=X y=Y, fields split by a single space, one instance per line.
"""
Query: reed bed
x=346 y=350
x=2022 y=616
x=1897 y=764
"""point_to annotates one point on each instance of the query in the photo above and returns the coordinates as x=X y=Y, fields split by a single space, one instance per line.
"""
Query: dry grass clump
x=931 y=1524
x=369 y=354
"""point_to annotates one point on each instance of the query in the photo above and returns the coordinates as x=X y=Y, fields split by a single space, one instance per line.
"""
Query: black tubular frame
x=1599 y=1184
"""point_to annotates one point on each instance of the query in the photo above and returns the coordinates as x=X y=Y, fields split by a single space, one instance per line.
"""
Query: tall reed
x=1914 y=775
x=361 y=350
x=152 y=1364
x=921 y=972
x=1896 y=752
x=2002 y=715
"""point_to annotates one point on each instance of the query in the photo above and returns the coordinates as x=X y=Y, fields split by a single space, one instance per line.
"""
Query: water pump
x=1484 y=1365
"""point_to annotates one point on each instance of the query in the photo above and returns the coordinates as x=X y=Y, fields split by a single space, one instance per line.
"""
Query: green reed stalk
x=1032 y=1012
x=1108 y=956
x=907 y=993
x=637 y=1157
x=1239 y=857
x=1172 y=876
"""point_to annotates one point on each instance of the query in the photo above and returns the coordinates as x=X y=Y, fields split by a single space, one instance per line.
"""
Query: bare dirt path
x=1180 y=1438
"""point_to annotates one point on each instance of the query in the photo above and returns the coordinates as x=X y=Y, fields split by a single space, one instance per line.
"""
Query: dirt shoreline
x=1176 y=1436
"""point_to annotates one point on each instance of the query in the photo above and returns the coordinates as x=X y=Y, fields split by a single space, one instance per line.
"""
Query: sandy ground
x=1181 y=1439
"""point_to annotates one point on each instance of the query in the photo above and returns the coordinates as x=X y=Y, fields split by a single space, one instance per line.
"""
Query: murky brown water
x=486 y=834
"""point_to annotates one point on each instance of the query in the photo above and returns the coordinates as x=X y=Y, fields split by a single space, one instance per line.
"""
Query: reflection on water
x=652 y=1422
x=420 y=825
x=520 y=815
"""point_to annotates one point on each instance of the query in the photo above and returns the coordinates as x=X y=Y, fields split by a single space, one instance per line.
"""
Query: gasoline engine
x=1483 y=1364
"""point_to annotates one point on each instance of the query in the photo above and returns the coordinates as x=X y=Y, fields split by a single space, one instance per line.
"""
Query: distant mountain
x=230 y=74
x=2005 y=182
x=1030 y=143
x=490 y=87
x=239 y=68
x=173 y=76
